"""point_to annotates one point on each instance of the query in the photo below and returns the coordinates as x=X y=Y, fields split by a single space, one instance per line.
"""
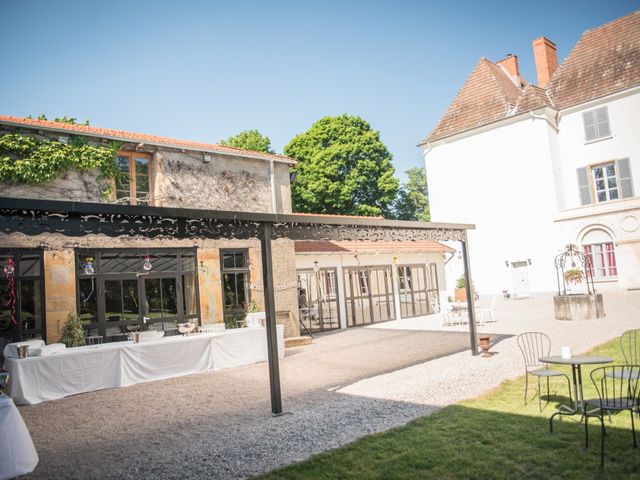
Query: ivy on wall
x=28 y=160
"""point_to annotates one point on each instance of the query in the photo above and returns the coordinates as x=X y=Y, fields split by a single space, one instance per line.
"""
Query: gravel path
x=344 y=386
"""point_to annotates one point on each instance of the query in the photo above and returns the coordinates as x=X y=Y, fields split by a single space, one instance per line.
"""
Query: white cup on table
x=565 y=352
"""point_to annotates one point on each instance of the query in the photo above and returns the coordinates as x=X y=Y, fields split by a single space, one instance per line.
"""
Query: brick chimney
x=510 y=63
x=545 y=54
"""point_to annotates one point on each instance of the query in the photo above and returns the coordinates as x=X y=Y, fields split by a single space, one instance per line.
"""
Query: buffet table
x=18 y=456
x=84 y=369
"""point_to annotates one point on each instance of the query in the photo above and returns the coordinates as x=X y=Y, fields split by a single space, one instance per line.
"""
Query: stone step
x=297 y=341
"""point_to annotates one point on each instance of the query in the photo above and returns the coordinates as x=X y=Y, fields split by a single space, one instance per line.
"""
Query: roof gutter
x=146 y=142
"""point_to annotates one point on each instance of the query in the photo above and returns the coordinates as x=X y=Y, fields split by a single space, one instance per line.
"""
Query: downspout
x=272 y=175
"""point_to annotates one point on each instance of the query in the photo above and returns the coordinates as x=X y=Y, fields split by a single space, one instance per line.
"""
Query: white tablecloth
x=84 y=369
x=17 y=454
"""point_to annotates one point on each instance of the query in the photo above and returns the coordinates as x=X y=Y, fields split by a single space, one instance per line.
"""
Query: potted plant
x=574 y=275
x=72 y=333
x=461 y=290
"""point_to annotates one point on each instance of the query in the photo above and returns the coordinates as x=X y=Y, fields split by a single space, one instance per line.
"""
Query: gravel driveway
x=218 y=425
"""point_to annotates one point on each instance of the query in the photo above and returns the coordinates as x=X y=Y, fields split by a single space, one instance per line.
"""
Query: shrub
x=72 y=334
x=460 y=283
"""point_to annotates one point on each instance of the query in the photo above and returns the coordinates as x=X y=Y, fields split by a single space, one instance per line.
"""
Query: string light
x=87 y=267
x=146 y=265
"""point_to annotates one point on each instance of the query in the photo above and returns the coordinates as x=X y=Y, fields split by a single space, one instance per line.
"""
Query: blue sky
x=205 y=70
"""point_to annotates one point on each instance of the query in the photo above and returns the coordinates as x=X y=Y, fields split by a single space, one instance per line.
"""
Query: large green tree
x=412 y=202
x=343 y=168
x=249 y=140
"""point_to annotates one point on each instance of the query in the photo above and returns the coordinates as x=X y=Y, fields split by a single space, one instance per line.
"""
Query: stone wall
x=180 y=178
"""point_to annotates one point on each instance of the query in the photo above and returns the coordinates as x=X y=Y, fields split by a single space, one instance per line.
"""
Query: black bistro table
x=576 y=363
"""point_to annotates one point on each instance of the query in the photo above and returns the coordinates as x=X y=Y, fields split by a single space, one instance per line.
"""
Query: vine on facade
x=28 y=160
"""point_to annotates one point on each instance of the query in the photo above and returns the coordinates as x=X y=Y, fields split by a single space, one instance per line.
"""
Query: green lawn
x=493 y=436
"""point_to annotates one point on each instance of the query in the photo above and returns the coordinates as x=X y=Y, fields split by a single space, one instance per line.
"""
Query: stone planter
x=578 y=307
x=461 y=295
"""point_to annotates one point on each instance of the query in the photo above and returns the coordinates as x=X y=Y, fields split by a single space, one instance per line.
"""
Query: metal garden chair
x=534 y=345
x=617 y=387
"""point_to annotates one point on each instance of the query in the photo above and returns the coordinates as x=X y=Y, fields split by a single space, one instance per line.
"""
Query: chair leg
x=586 y=431
x=633 y=430
x=548 y=391
x=539 y=398
x=526 y=387
x=602 y=435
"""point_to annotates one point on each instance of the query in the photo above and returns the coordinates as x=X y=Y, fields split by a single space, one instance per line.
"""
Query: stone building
x=119 y=285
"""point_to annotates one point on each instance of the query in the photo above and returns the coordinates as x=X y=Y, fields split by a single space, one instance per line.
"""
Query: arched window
x=598 y=246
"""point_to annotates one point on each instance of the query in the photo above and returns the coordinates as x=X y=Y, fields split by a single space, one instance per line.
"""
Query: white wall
x=500 y=180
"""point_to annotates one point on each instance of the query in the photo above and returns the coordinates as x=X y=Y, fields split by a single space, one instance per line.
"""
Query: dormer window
x=596 y=124
x=133 y=186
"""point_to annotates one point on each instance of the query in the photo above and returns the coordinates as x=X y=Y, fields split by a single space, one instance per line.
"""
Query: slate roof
x=425 y=246
x=138 y=138
x=604 y=61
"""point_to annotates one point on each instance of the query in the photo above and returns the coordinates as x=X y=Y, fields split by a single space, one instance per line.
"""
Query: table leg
x=571 y=410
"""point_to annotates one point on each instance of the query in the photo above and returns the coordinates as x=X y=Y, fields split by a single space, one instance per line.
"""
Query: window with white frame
x=331 y=282
x=596 y=124
x=605 y=182
x=599 y=249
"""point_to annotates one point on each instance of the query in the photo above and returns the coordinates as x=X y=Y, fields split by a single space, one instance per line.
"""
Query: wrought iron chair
x=534 y=345
x=617 y=387
x=486 y=311
x=630 y=347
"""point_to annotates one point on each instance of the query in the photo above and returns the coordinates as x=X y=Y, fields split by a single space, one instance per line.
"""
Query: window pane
x=188 y=262
x=598 y=173
x=602 y=196
x=169 y=297
x=228 y=260
x=88 y=300
x=120 y=263
x=113 y=300
x=123 y=164
x=611 y=182
x=153 y=296
x=613 y=194
x=142 y=184
x=29 y=265
x=189 y=294
x=30 y=304
x=611 y=170
x=600 y=185
x=142 y=166
x=130 y=302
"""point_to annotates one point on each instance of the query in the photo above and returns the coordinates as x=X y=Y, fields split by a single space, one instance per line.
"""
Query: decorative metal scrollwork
x=34 y=222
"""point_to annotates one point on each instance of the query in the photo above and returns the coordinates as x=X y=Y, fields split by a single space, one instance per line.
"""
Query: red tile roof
x=138 y=138
x=605 y=60
x=425 y=246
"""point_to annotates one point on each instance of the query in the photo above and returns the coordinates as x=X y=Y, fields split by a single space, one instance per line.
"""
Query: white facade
x=516 y=179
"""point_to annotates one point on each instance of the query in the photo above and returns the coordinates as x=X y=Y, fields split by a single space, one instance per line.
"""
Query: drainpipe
x=272 y=175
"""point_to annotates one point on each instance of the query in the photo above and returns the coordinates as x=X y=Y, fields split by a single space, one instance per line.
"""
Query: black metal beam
x=270 y=310
x=471 y=309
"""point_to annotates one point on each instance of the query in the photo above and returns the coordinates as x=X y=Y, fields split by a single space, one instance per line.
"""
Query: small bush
x=72 y=334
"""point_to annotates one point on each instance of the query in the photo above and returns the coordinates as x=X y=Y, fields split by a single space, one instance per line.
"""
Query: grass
x=492 y=436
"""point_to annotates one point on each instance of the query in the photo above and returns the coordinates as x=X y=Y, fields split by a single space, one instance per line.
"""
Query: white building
x=540 y=167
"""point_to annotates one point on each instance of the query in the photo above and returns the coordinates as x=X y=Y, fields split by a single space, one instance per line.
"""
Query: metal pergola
x=76 y=219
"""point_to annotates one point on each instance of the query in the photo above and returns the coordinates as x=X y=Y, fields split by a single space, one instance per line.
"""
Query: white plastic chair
x=482 y=313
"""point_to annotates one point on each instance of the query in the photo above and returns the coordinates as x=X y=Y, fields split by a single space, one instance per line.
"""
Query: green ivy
x=25 y=159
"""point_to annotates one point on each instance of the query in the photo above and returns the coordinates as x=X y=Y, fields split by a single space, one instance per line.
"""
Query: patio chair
x=483 y=313
x=630 y=347
x=442 y=317
x=617 y=387
x=94 y=339
x=534 y=345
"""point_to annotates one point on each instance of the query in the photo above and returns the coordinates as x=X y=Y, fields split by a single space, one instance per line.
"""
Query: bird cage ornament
x=574 y=267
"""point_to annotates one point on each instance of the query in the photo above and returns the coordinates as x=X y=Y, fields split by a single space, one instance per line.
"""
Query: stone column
x=210 y=285
x=60 y=290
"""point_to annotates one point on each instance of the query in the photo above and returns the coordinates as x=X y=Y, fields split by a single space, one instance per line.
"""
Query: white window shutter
x=602 y=122
x=590 y=132
x=624 y=176
x=583 y=186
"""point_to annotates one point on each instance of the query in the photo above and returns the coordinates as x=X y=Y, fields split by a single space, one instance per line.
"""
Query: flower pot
x=485 y=344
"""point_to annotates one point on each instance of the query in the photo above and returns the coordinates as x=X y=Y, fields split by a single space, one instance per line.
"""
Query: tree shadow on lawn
x=463 y=442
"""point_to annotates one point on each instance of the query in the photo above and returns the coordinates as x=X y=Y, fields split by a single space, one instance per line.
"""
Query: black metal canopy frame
x=34 y=217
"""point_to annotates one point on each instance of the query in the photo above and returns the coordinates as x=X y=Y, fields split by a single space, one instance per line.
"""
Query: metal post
x=473 y=334
x=270 y=311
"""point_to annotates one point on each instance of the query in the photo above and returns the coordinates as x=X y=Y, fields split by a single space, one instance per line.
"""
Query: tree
x=64 y=119
x=249 y=140
x=412 y=202
x=343 y=168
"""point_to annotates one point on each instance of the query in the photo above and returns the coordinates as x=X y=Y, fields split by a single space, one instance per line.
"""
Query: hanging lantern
x=10 y=267
x=146 y=265
x=87 y=266
x=316 y=267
